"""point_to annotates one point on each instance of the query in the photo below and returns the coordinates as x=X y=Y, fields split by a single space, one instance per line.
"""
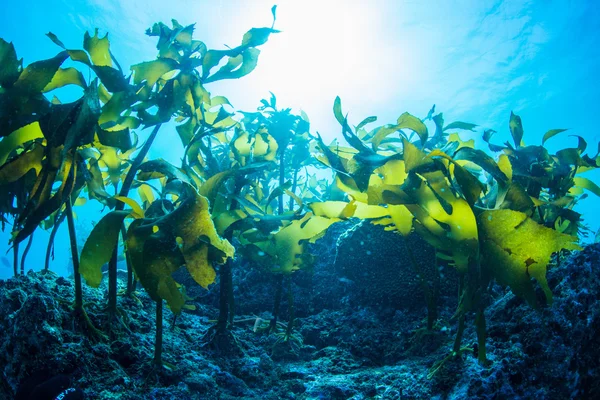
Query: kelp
x=253 y=180
x=484 y=217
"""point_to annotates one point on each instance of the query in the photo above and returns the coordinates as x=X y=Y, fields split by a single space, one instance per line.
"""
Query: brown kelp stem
x=129 y=268
x=159 y=333
x=225 y=283
x=290 y=298
x=226 y=296
x=461 y=319
x=50 y=246
x=279 y=279
x=293 y=189
x=74 y=256
x=112 y=265
x=277 y=302
x=16 y=258
x=25 y=252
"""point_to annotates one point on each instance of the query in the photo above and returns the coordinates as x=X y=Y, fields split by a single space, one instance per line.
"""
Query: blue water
x=476 y=60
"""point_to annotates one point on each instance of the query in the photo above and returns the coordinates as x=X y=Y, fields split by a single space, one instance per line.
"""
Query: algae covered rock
x=379 y=264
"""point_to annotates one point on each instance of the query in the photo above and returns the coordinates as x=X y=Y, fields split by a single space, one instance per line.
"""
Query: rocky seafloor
x=358 y=337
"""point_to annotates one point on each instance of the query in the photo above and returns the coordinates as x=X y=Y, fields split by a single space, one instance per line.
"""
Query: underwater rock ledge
x=350 y=352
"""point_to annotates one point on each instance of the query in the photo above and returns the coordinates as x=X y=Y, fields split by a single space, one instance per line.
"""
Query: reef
x=348 y=350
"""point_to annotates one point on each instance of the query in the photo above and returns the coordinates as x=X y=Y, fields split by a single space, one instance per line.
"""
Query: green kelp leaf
x=484 y=161
x=149 y=169
x=366 y=121
x=202 y=245
x=278 y=191
x=460 y=125
x=517 y=199
x=288 y=245
x=186 y=236
x=154 y=256
x=136 y=209
x=37 y=75
x=64 y=77
x=99 y=246
x=516 y=129
x=98 y=48
x=515 y=249
x=236 y=67
x=551 y=133
x=112 y=78
x=257 y=36
x=95 y=185
x=16 y=139
x=470 y=186
x=211 y=187
x=119 y=139
x=55 y=39
x=581 y=143
x=10 y=65
x=337 y=111
x=587 y=184
x=405 y=121
x=73 y=124
x=19 y=166
x=274 y=13
x=151 y=71
x=487 y=136
x=448 y=218
x=413 y=157
x=391 y=217
x=41 y=206
x=408 y=121
x=111 y=118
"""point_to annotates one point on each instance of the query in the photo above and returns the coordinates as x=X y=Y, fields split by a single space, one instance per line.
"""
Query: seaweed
x=494 y=228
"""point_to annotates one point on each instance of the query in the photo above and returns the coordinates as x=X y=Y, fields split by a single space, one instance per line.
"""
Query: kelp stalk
x=16 y=259
x=461 y=319
x=50 y=246
x=74 y=256
x=112 y=265
x=277 y=302
x=293 y=189
x=25 y=252
x=279 y=279
x=225 y=287
x=226 y=295
x=129 y=268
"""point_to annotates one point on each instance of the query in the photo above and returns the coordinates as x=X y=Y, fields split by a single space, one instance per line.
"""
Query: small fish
x=6 y=262
x=346 y=281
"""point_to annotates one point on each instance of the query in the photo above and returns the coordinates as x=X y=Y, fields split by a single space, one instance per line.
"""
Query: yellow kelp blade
x=392 y=217
x=514 y=249
x=436 y=207
x=136 y=209
x=64 y=77
x=18 y=138
x=287 y=245
x=186 y=236
x=193 y=223
x=24 y=163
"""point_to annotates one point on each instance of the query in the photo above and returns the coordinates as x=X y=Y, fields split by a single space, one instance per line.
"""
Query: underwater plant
x=271 y=236
x=51 y=152
x=473 y=210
